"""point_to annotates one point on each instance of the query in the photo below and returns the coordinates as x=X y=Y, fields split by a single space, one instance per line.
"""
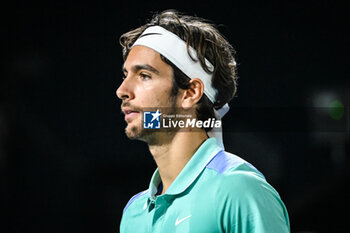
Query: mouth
x=130 y=113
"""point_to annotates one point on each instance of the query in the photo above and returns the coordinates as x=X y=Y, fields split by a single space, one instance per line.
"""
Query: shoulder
x=244 y=183
x=243 y=199
x=134 y=198
x=225 y=163
x=235 y=177
x=243 y=196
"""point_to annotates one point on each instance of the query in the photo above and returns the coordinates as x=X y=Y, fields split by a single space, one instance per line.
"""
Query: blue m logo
x=151 y=120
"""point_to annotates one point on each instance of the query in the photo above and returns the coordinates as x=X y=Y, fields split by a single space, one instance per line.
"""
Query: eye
x=124 y=74
x=145 y=76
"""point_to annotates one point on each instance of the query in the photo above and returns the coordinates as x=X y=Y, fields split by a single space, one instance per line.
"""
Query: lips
x=129 y=113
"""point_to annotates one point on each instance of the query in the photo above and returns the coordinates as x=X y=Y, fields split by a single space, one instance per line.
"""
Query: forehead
x=142 y=55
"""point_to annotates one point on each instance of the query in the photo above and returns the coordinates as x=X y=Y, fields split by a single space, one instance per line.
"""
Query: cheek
x=154 y=93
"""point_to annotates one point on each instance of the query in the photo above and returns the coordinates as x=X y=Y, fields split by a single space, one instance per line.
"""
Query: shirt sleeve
x=248 y=204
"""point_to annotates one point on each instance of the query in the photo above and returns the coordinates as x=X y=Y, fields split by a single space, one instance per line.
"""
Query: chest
x=193 y=213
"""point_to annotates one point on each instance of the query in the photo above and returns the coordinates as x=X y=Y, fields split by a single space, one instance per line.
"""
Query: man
x=181 y=65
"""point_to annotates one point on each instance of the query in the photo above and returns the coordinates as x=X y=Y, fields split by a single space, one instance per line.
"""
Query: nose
x=124 y=91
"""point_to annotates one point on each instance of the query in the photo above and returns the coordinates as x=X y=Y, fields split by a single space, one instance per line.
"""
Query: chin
x=138 y=133
x=132 y=132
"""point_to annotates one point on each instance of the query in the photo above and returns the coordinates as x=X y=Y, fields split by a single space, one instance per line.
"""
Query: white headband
x=175 y=50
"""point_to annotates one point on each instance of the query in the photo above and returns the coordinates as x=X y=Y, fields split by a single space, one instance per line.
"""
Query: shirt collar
x=190 y=172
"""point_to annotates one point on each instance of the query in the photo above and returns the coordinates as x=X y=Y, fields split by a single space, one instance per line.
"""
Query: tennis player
x=180 y=65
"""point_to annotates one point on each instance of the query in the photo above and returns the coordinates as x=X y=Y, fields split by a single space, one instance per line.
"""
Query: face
x=147 y=84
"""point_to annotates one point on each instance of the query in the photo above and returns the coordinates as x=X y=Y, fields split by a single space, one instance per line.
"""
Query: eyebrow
x=136 y=68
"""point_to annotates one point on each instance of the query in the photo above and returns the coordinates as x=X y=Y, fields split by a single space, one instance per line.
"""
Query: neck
x=172 y=156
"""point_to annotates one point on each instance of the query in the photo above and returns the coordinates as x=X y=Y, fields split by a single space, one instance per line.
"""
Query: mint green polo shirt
x=215 y=192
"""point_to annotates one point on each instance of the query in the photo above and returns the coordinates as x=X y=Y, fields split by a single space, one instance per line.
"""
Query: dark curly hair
x=209 y=44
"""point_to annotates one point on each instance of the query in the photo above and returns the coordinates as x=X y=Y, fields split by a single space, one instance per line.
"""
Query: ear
x=193 y=94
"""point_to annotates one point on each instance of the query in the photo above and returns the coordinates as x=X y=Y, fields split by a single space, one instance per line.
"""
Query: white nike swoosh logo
x=178 y=221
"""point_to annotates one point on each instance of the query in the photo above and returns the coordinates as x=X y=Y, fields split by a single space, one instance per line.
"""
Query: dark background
x=65 y=163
